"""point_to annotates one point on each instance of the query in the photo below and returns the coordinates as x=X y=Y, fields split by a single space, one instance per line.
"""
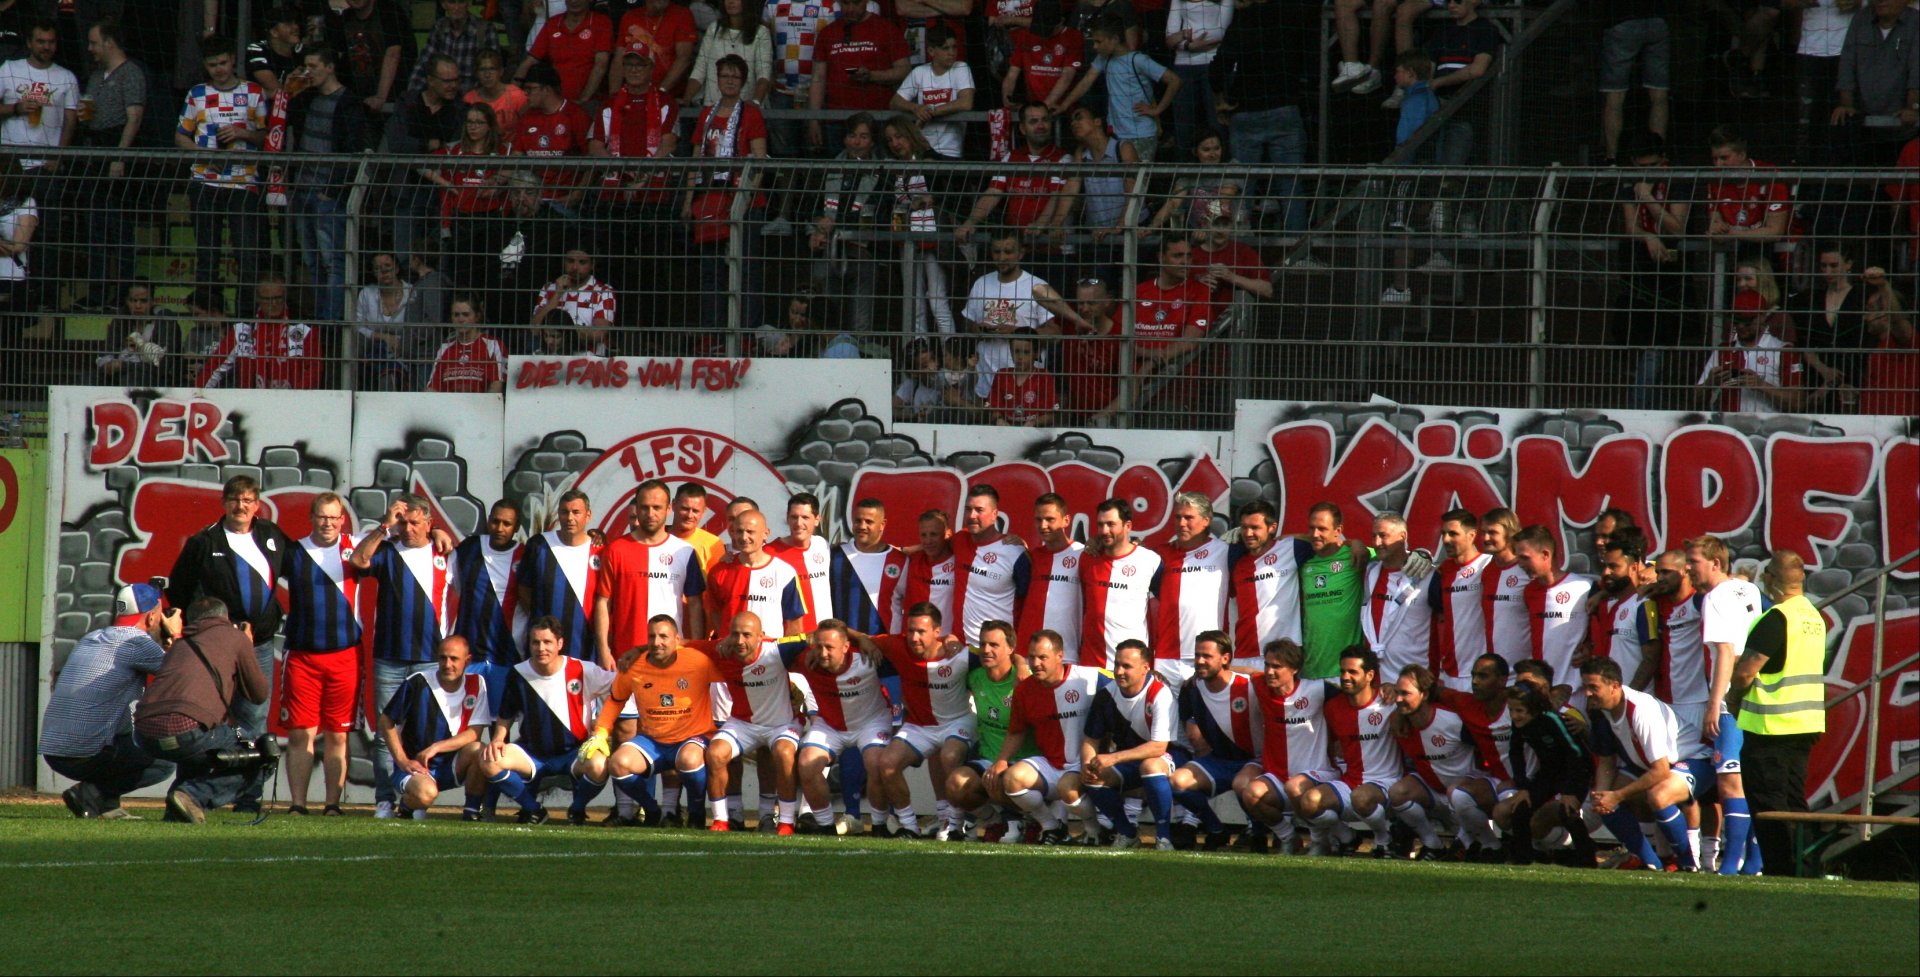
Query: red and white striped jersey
x=1055 y=716
x=1619 y=631
x=1504 y=604
x=1266 y=594
x=1491 y=733
x=849 y=700
x=771 y=591
x=932 y=583
x=1459 y=632
x=1194 y=585
x=1054 y=598
x=1440 y=753
x=1557 y=615
x=1117 y=590
x=1293 y=738
x=1396 y=619
x=758 y=686
x=642 y=580
x=1365 y=743
x=810 y=569
x=990 y=580
x=933 y=693
x=1685 y=678
x=1645 y=732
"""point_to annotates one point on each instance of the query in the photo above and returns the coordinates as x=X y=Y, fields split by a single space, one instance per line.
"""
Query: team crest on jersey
x=680 y=684
x=1300 y=704
x=1069 y=562
x=666 y=700
x=285 y=715
x=1466 y=573
x=1335 y=567
x=1072 y=696
x=1127 y=571
x=817 y=558
x=1239 y=705
x=944 y=671
x=594 y=561
x=573 y=687
x=270 y=546
x=666 y=559
x=1438 y=740
x=1513 y=580
x=758 y=670
x=767 y=580
x=1373 y=719
x=892 y=570
x=560 y=129
x=989 y=558
x=546 y=142
x=1562 y=597
x=439 y=563
x=1270 y=559
x=470 y=702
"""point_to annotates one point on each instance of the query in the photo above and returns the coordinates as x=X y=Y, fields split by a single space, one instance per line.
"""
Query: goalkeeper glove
x=595 y=746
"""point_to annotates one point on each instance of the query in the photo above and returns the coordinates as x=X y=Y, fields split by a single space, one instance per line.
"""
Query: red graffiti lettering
x=659 y=374
x=1442 y=486
x=1547 y=491
x=592 y=371
x=1018 y=483
x=908 y=493
x=1837 y=769
x=1840 y=468
x=718 y=374
x=1377 y=459
x=169 y=433
x=163 y=439
x=538 y=373
x=116 y=428
x=1900 y=503
x=1147 y=489
x=165 y=512
x=1711 y=483
x=9 y=494
x=1082 y=485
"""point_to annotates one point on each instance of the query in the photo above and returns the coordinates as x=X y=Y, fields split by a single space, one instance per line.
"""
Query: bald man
x=752 y=581
x=1782 y=710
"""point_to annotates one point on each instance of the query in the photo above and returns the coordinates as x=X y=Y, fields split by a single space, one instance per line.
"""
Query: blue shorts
x=1727 y=745
x=1220 y=772
x=1129 y=774
x=654 y=751
x=443 y=776
x=1698 y=774
x=496 y=676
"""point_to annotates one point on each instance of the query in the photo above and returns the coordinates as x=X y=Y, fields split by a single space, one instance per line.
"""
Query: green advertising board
x=23 y=501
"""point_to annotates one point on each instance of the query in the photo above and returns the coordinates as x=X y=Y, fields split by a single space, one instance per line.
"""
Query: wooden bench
x=1829 y=827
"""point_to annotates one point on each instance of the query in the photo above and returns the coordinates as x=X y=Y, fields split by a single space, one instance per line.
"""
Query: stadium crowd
x=1474 y=702
x=497 y=250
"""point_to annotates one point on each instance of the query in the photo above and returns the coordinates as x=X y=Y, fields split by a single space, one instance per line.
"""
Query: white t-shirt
x=923 y=87
x=13 y=267
x=1727 y=614
x=63 y=92
x=995 y=304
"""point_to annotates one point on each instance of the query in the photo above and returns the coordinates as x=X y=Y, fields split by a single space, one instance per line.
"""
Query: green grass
x=365 y=896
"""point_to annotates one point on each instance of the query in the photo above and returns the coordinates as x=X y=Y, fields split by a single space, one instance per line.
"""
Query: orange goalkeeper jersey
x=675 y=702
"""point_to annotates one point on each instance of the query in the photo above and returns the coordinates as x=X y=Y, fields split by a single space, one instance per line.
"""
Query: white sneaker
x=1351 y=74
x=943 y=832
x=420 y=815
x=1393 y=101
x=1016 y=830
x=1163 y=844
x=384 y=809
x=1437 y=263
x=1371 y=85
x=1396 y=296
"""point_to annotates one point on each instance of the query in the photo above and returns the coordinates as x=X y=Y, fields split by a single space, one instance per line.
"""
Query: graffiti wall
x=132 y=474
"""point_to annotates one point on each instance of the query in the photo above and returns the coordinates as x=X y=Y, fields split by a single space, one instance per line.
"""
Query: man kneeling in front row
x=433 y=729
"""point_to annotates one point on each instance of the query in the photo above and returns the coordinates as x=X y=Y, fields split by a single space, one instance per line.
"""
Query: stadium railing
x=1488 y=287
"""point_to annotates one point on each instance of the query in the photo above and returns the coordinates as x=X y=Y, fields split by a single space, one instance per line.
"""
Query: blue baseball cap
x=132 y=602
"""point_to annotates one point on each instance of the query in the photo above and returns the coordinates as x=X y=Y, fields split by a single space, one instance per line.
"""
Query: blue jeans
x=715 y=281
x=414 y=215
x=1192 y=109
x=210 y=786
x=387 y=679
x=122 y=767
x=1274 y=136
x=320 y=228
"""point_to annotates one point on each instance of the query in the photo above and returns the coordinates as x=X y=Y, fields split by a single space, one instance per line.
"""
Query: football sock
x=1035 y=806
x=909 y=821
x=629 y=790
x=824 y=817
x=1710 y=850
x=693 y=786
x=1377 y=821
x=1158 y=794
x=473 y=802
x=1110 y=804
x=1416 y=818
x=1659 y=840
x=1736 y=823
x=493 y=798
x=788 y=810
x=719 y=808
x=1474 y=822
x=1196 y=803
x=1082 y=808
x=1673 y=825
x=584 y=790
x=515 y=787
x=1752 y=864
x=853 y=781
x=1627 y=829
x=1320 y=827
x=943 y=812
x=767 y=802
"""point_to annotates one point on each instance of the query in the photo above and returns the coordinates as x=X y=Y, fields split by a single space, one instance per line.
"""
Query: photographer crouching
x=186 y=714
x=87 y=734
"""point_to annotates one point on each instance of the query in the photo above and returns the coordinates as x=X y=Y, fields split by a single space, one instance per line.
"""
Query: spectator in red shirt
x=731 y=128
x=471 y=362
x=634 y=212
x=578 y=44
x=1048 y=56
x=665 y=30
x=1755 y=206
x=1032 y=187
x=1023 y=395
x=268 y=353
x=857 y=64
x=1089 y=359
x=1893 y=368
x=552 y=126
x=1171 y=312
x=1227 y=266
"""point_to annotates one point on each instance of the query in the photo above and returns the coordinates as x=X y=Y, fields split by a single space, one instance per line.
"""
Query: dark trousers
x=208 y=783
x=1774 y=772
x=122 y=767
x=242 y=215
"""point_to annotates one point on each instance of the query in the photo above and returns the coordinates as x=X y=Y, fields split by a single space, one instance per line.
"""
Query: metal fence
x=1490 y=287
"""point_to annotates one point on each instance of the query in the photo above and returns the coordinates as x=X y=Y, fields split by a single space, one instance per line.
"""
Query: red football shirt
x=1161 y=315
x=1746 y=203
x=633 y=126
x=1029 y=183
x=1042 y=60
x=874 y=44
x=1090 y=367
x=469 y=368
x=561 y=133
x=1018 y=399
x=571 y=52
x=658 y=35
x=1244 y=260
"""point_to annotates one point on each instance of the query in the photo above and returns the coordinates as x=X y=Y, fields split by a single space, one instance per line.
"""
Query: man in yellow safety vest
x=1780 y=686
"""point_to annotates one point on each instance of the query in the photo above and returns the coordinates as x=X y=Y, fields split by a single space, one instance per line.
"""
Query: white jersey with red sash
x=555 y=712
x=1054 y=599
x=1293 y=736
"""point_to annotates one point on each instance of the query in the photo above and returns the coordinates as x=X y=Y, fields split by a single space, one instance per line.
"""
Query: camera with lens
x=243 y=754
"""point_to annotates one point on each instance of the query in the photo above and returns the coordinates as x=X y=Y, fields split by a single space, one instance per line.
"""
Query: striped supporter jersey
x=1054 y=717
x=1442 y=753
x=425 y=713
x=1194 y=585
x=1459 y=632
x=1228 y=717
x=934 y=691
x=868 y=588
x=642 y=580
x=771 y=591
x=554 y=711
x=323 y=588
x=1266 y=593
x=1365 y=744
x=811 y=567
x=415 y=602
x=489 y=618
x=561 y=581
x=851 y=699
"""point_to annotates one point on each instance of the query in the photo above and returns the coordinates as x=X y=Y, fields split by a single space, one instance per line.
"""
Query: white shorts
x=1692 y=737
x=821 y=736
x=631 y=710
x=749 y=737
x=1049 y=775
x=1176 y=672
x=926 y=740
x=1345 y=793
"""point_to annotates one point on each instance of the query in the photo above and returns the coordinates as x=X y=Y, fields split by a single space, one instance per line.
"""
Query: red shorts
x=319 y=688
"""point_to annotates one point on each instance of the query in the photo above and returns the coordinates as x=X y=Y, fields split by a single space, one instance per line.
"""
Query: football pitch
x=357 y=895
